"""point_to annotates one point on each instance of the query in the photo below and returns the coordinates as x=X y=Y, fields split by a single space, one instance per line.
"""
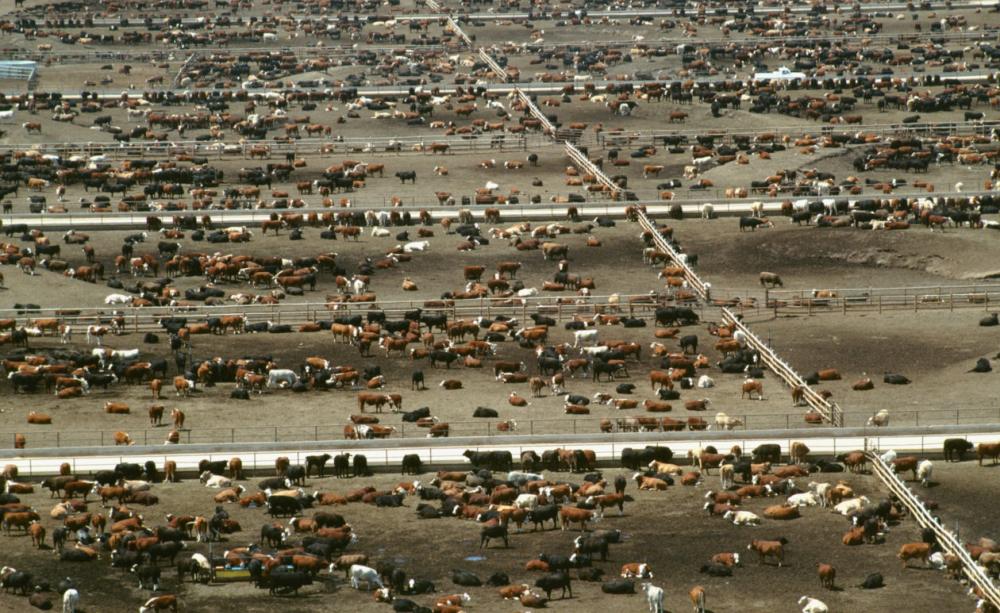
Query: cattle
x=827 y=575
x=618 y=586
x=988 y=450
x=553 y=581
x=697 y=597
x=167 y=602
x=742 y=518
x=768 y=549
x=465 y=578
x=812 y=605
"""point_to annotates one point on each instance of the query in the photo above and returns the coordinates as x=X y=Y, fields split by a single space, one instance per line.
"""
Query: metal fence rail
x=145 y=319
x=610 y=138
x=300 y=147
x=975 y=573
x=617 y=424
x=830 y=411
x=911 y=299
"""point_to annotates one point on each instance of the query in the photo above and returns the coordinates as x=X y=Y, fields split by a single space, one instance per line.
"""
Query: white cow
x=851 y=506
x=364 y=574
x=526 y=501
x=880 y=419
x=726 y=422
x=807 y=499
x=381 y=232
x=528 y=292
x=217 y=481
x=742 y=518
x=584 y=336
x=820 y=489
x=71 y=598
x=889 y=456
x=811 y=605
x=282 y=377
x=654 y=597
x=416 y=246
x=705 y=382
x=118 y=299
x=707 y=212
x=924 y=471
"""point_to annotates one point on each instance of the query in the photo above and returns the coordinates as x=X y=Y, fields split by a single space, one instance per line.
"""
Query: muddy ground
x=667 y=530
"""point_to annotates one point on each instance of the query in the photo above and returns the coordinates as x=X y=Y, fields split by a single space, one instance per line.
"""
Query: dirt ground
x=667 y=530
x=854 y=344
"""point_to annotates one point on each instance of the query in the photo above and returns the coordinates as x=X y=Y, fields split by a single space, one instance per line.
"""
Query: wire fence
x=620 y=422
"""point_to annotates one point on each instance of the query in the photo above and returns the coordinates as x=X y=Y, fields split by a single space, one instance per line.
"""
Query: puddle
x=475 y=558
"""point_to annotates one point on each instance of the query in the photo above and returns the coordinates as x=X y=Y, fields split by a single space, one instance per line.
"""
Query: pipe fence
x=976 y=574
x=637 y=423
x=879 y=299
x=265 y=150
x=830 y=411
x=146 y=319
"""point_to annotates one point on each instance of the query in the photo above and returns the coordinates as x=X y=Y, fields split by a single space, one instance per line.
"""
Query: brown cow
x=988 y=450
x=156 y=413
x=116 y=408
x=827 y=575
x=768 y=549
x=909 y=551
x=572 y=515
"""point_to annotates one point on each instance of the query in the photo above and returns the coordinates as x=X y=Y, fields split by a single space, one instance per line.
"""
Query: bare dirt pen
x=684 y=536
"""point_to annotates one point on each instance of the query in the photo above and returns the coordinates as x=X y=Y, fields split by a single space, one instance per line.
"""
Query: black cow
x=689 y=343
x=283 y=506
x=443 y=356
x=463 y=578
x=872 y=582
x=716 y=570
x=412 y=464
x=956 y=448
x=495 y=460
x=753 y=223
x=768 y=452
x=318 y=462
x=296 y=474
x=147 y=573
x=541 y=514
x=553 y=581
x=342 y=465
x=287 y=582
x=416 y=414
x=168 y=550
x=618 y=586
x=417 y=380
x=485 y=412
x=361 y=466
x=895 y=379
x=407 y=175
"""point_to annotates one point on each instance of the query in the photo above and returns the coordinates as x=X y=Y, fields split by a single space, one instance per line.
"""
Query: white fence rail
x=975 y=573
x=694 y=281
